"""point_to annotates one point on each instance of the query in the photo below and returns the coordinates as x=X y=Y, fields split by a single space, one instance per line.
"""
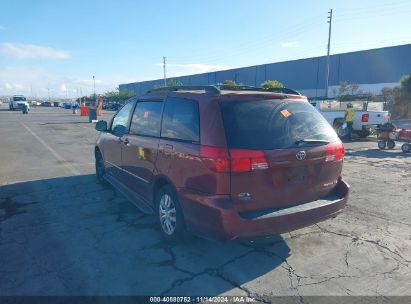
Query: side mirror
x=101 y=126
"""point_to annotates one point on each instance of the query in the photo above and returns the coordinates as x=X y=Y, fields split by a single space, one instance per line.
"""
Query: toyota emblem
x=301 y=155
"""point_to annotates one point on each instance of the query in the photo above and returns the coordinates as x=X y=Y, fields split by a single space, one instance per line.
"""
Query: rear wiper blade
x=311 y=141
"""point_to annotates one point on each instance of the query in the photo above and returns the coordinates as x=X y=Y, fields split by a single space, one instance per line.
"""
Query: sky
x=56 y=47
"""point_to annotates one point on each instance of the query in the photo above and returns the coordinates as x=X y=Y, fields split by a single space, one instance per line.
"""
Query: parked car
x=35 y=103
x=115 y=106
x=46 y=104
x=223 y=164
x=368 y=115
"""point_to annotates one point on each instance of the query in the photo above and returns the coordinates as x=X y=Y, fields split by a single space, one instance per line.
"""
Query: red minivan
x=224 y=162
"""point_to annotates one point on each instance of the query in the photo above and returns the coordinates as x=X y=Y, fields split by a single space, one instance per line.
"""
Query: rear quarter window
x=273 y=124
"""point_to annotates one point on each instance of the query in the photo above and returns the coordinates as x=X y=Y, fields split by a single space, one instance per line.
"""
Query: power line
x=245 y=46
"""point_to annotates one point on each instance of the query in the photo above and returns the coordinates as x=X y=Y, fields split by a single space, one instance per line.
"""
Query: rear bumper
x=215 y=216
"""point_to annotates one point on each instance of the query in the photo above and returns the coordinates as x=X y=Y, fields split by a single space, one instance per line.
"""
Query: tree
x=405 y=95
x=170 y=83
x=229 y=83
x=343 y=89
x=388 y=96
x=116 y=95
x=353 y=87
x=348 y=91
x=269 y=84
x=174 y=83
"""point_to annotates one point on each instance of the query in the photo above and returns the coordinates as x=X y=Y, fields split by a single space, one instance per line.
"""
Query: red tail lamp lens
x=234 y=160
x=335 y=152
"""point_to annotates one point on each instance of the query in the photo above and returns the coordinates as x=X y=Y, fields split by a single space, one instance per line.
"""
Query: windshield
x=273 y=124
x=19 y=98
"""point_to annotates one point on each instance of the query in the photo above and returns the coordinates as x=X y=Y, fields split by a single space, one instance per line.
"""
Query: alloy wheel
x=167 y=214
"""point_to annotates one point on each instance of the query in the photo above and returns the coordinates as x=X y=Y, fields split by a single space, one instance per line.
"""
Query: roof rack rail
x=216 y=89
x=209 y=89
x=284 y=90
x=259 y=89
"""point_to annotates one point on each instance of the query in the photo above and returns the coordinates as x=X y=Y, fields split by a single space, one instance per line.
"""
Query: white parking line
x=56 y=155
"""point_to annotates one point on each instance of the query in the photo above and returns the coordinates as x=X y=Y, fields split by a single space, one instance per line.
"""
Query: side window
x=119 y=123
x=181 y=120
x=146 y=118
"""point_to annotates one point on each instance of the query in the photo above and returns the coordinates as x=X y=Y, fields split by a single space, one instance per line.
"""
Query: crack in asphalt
x=354 y=237
x=214 y=272
x=355 y=209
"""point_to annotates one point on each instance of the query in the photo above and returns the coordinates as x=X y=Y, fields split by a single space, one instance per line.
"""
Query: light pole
x=94 y=81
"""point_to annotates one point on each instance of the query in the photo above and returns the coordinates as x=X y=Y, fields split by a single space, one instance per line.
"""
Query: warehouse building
x=371 y=69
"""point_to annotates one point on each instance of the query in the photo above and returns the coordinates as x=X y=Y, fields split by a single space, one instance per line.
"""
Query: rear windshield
x=273 y=124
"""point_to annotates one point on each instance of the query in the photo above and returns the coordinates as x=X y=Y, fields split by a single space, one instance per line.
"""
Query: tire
x=341 y=132
x=382 y=144
x=390 y=144
x=364 y=133
x=169 y=215
x=406 y=148
x=100 y=168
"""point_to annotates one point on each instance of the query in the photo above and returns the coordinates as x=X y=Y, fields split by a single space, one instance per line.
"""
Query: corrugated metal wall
x=384 y=65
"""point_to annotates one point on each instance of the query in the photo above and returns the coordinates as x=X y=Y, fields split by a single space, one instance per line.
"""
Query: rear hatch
x=282 y=153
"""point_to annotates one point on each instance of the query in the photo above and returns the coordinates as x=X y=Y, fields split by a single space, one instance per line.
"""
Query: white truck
x=17 y=102
x=368 y=115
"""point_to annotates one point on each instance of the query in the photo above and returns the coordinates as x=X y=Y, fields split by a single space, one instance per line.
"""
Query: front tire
x=100 y=168
x=382 y=144
x=169 y=215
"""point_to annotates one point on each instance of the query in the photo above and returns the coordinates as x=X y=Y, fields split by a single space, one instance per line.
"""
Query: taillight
x=235 y=160
x=365 y=117
x=247 y=160
x=215 y=158
x=335 y=152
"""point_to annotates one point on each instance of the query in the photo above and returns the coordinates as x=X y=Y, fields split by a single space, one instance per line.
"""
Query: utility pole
x=164 y=68
x=327 y=79
x=94 y=80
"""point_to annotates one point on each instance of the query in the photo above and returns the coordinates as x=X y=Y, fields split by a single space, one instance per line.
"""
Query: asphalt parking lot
x=62 y=233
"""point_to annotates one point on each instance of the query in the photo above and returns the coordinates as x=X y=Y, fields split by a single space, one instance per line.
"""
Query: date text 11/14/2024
x=203 y=299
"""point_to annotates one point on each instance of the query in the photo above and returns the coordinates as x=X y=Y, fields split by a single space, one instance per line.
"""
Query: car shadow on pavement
x=377 y=153
x=73 y=236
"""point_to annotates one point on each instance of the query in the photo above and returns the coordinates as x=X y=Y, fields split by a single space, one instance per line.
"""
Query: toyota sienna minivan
x=224 y=162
